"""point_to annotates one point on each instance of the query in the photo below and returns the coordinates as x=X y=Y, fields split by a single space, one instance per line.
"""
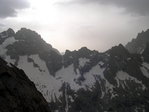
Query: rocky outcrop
x=18 y=93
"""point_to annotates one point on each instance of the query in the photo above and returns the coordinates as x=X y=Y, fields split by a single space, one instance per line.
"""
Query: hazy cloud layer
x=8 y=7
x=140 y=7
x=2 y=25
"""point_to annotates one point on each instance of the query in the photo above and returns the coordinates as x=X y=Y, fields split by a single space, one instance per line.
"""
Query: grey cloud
x=2 y=25
x=8 y=7
x=140 y=7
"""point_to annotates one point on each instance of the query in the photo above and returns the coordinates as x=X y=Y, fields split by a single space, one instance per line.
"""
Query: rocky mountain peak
x=84 y=49
x=138 y=45
x=26 y=42
x=10 y=32
x=119 y=51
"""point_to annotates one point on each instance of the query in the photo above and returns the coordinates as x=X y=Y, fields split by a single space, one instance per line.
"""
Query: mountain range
x=83 y=80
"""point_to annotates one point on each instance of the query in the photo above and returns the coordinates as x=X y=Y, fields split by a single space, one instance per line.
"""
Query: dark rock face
x=29 y=43
x=138 y=45
x=18 y=93
x=146 y=53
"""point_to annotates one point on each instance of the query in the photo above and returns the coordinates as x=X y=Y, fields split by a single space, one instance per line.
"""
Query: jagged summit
x=10 y=32
x=85 y=49
x=138 y=45
x=31 y=37
x=26 y=42
x=119 y=50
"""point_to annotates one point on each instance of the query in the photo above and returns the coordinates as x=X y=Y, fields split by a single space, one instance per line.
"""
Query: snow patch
x=71 y=77
x=122 y=76
x=83 y=61
x=8 y=41
x=68 y=75
x=90 y=76
x=9 y=60
x=101 y=63
x=44 y=82
x=145 y=71
x=145 y=65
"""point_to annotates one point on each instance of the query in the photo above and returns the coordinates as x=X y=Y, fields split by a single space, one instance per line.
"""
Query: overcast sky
x=72 y=24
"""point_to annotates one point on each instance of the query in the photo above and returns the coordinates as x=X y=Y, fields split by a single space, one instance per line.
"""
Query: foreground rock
x=18 y=93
